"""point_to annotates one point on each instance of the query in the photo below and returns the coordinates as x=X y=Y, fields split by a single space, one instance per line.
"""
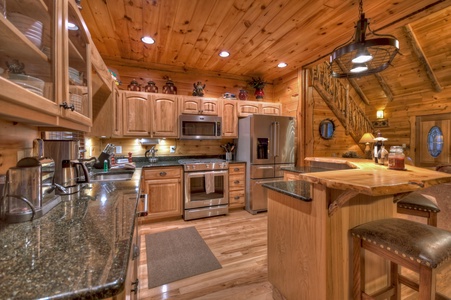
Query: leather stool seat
x=419 y=247
x=419 y=205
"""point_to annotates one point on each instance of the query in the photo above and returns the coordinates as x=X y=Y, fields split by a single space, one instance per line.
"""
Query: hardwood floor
x=238 y=241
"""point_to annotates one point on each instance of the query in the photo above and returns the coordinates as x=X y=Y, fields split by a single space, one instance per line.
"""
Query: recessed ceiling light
x=282 y=65
x=71 y=26
x=147 y=40
x=224 y=54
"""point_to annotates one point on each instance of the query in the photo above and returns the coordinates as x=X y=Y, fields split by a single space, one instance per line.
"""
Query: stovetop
x=203 y=164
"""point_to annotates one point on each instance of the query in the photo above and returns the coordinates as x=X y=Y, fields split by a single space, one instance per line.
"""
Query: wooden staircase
x=336 y=95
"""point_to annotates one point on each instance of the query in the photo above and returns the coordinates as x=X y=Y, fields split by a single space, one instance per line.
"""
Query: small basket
x=77 y=101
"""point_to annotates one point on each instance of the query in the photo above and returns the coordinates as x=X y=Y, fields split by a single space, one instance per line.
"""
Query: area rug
x=176 y=254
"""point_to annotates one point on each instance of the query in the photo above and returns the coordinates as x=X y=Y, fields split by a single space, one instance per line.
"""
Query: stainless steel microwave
x=199 y=127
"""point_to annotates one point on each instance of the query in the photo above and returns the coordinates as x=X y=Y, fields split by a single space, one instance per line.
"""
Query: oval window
x=435 y=141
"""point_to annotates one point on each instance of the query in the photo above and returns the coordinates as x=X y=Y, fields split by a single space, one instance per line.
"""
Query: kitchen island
x=80 y=249
x=309 y=242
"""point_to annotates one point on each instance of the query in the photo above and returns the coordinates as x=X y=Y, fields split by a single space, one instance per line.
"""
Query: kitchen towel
x=176 y=254
x=209 y=183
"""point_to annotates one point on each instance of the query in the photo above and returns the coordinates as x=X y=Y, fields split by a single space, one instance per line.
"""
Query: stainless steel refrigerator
x=267 y=144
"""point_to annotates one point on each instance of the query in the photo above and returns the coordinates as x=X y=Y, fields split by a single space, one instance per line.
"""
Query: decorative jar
x=151 y=87
x=169 y=88
x=134 y=86
x=396 y=158
x=242 y=95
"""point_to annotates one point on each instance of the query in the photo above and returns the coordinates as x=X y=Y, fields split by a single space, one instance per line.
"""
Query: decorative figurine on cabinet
x=134 y=86
x=151 y=87
x=198 y=89
x=169 y=87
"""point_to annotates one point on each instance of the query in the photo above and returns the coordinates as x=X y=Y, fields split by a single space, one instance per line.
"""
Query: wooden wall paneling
x=340 y=143
x=16 y=142
x=216 y=84
x=287 y=92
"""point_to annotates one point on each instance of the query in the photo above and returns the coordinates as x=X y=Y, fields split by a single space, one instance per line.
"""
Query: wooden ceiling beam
x=384 y=86
x=415 y=44
x=358 y=90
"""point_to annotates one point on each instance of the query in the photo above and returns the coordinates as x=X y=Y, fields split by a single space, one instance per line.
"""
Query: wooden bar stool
x=419 y=247
x=416 y=204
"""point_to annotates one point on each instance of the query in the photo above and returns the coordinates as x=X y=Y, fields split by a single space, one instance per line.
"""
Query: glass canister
x=396 y=158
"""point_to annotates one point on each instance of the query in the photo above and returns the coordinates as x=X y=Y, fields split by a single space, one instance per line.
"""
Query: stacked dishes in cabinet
x=31 y=28
x=27 y=82
x=75 y=78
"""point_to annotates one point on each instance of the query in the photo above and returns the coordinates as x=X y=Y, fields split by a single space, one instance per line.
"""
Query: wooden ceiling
x=259 y=34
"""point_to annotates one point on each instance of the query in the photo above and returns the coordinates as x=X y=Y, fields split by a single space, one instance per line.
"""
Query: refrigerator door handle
x=276 y=137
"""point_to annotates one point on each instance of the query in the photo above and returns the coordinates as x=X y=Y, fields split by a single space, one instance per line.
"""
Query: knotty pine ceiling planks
x=258 y=33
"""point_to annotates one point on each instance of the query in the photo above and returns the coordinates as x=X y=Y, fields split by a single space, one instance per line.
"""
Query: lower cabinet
x=163 y=187
x=237 y=185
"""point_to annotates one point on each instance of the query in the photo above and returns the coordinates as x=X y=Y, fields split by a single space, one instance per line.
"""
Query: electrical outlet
x=172 y=149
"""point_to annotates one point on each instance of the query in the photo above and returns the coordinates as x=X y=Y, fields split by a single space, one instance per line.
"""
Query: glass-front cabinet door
x=77 y=92
x=27 y=54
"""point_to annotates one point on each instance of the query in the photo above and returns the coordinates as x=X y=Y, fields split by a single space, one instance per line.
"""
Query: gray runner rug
x=176 y=254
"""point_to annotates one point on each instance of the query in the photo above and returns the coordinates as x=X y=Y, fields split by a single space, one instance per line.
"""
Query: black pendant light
x=359 y=56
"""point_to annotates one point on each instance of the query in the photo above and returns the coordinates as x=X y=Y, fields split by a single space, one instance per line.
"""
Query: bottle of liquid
x=105 y=165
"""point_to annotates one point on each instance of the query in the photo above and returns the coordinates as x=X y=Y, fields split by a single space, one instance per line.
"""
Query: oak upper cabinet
x=107 y=114
x=164 y=115
x=136 y=114
x=246 y=108
x=163 y=187
x=229 y=116
x=77 y=85
x=35 y=42
x=270 y=108
x=199 y=106
x=32 y=96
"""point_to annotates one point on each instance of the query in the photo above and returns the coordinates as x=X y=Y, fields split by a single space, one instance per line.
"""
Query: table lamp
x=366 y=139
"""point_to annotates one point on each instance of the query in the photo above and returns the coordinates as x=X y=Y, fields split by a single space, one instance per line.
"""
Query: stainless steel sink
x=113 y=176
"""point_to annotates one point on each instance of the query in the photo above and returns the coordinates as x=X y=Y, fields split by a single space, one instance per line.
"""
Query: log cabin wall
x=16 y=141
x=216 y=83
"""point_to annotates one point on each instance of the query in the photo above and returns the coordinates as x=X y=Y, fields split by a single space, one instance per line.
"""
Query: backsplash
x=94 y=147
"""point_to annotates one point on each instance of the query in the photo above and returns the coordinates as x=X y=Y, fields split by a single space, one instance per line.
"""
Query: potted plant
x=258 y=84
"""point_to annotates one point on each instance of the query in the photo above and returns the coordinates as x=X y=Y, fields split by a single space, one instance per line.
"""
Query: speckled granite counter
x=78 y=250
x=298 y=189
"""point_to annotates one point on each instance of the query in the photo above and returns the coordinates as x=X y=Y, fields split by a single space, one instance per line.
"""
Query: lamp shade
x=367 y=138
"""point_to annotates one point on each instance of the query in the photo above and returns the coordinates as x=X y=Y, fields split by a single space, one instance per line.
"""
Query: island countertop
x=78 y=250
x=366 y=177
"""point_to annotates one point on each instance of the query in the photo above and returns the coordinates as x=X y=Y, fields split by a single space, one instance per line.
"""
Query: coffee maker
x=28 y=192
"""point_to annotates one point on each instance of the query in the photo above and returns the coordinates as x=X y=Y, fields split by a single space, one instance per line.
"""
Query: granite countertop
x=79 y=249
x=298 y=189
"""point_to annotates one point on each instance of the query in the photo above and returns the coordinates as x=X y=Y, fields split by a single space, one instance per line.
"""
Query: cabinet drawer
x=161 y=173
x=236 y=182
x=237 y=169
x=236 y=197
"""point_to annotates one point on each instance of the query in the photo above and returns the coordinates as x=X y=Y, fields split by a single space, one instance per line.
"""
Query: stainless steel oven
x=206 y=185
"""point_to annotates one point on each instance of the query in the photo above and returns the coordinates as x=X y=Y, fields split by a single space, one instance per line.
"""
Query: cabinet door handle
x=145 y=211
x=237 y=197
x=236 y=182
x=236 y=169
x=162 y=173
x=135 y=284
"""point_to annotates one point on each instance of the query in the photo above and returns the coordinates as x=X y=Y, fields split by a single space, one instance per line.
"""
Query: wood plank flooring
x=238 y=241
